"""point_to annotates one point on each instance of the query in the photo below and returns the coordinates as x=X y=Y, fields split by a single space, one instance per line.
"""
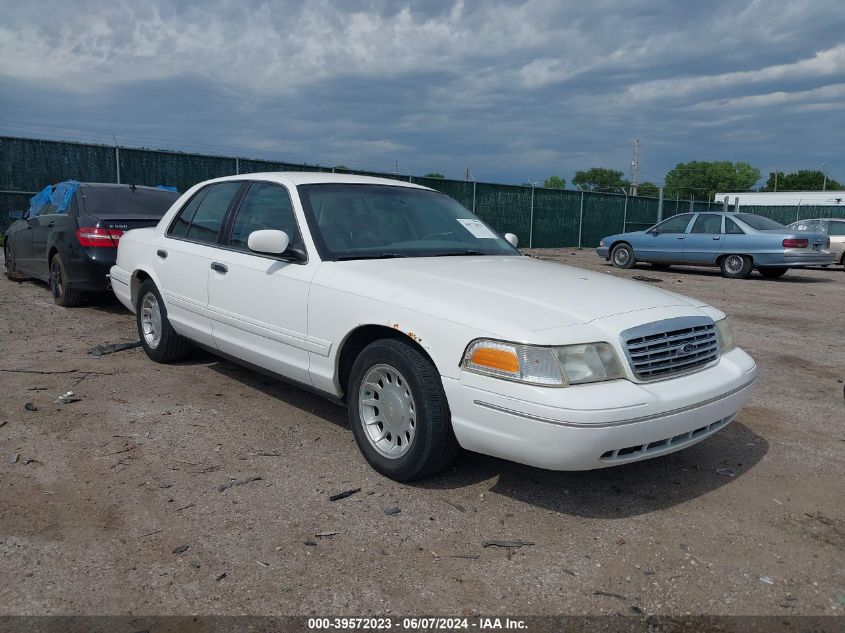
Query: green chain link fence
x=542 y=218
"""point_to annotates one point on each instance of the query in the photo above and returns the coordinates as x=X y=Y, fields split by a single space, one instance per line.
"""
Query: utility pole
x=635 y=167
x=824 y=184
x=776 y=179
x=116 y=158
x=466 y=174
x=396 y=168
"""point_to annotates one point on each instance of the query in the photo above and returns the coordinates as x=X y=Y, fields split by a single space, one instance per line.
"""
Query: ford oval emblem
x=689 y=348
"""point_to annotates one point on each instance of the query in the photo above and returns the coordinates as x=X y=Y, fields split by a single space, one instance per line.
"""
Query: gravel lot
x=98 y=494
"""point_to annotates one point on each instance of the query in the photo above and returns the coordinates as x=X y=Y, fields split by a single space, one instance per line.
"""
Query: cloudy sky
x=515 y=91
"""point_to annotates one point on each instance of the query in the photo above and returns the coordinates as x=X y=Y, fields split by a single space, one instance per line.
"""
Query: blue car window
x=731 y=228
x=708 y=223
x=676 y=224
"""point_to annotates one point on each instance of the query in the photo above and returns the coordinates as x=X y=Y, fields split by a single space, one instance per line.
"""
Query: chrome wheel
x=734 y=264
x=387 y=411
x=621 y=257
x=151 y=320
x=56 y=278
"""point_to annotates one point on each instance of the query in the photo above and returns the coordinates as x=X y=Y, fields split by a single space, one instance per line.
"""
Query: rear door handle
x=162 y=253
x=219 y=268
x=717 y=237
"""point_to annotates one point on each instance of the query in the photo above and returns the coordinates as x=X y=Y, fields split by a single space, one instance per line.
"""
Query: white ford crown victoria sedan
x=434 y=330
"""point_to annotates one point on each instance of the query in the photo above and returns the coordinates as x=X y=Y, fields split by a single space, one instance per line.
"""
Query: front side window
x=354 y=221
x=201 y=218
x=265 y=206
x=708 y=223
x=676 y=224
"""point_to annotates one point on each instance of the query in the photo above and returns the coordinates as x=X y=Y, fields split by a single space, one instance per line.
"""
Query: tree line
x=698 y=179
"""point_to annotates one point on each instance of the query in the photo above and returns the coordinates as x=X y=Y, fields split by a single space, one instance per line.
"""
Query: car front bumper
x=603 y=251
x=598 y=425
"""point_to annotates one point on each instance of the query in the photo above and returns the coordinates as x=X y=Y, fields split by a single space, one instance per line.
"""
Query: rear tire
x=158 y=338
x=736 y=266
x=63 y=294
x=399 y=413
x=622 y=256
x=773 y=272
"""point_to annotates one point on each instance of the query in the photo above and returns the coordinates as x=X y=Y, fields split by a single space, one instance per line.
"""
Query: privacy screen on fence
x=543 y=218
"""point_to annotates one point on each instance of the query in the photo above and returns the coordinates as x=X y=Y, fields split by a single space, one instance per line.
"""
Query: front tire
x=736 y=266
x=622 y=256
x=773 y=272
x=63 y=294
x=399 y=413
x=158 y=338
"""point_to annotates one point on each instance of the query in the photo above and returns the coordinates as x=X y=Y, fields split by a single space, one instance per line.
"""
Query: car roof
x=319 y=177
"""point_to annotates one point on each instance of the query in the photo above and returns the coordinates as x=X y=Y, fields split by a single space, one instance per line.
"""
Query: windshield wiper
x=459 y=253
x=347 y=258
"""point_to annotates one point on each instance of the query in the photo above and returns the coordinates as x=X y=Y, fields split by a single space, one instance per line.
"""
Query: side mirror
x=268 y=241
x=653 y=231
x=512 y=239
x=15 y=215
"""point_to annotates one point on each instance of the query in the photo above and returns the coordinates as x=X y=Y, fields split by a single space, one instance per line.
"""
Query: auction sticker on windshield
x=477 y=228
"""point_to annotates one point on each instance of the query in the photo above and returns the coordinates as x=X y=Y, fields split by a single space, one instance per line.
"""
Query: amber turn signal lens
x=499 y=359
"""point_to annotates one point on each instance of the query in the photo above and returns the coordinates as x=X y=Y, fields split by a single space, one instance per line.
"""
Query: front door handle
x=162 y=253
x=681 y=237
x=219 y=268
x=717 y=237
x=51 y=224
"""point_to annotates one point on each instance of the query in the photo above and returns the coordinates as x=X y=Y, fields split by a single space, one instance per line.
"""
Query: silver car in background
x=834 y=228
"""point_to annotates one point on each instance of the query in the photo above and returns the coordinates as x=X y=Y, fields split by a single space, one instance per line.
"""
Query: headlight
x=725 y=335
x=549 y=366
x=601 y=242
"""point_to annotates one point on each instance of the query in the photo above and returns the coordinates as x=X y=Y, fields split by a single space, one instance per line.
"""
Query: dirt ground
x=97 y=495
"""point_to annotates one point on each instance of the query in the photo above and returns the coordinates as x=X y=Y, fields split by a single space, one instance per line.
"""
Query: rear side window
x=836 y=228
x=709 y=223
x=731 y=228
x=265 y=206
x=201 y=218
x=126 y=201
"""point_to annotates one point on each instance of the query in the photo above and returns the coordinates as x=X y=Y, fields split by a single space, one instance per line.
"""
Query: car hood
x=498 y=294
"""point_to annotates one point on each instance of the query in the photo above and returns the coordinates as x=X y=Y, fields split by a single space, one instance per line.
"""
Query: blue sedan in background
x=735 y=242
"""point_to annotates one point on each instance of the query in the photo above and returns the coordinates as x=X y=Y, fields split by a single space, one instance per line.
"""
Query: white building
x=784 y=198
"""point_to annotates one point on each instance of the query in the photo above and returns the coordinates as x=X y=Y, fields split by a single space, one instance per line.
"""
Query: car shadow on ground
x=293 y=395
x=609 y=493
x=793 y=276
x=620 y=491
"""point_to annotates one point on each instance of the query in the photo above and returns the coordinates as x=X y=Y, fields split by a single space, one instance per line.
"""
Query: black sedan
x=69 y=235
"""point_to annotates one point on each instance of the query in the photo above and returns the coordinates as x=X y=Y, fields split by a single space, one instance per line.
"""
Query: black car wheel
x=736 y=266
x=398 y=411
x=773 y=272
x=622 y=256
x=63 y=294
x=9 y=259
x=158 y=338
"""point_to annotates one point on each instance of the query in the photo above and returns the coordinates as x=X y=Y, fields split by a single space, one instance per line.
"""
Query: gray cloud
x=512 y=90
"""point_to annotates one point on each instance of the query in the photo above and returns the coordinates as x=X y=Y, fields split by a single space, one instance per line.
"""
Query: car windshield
x=360 y=221
x=759 y=222
x=811 y=226
x=127 y=201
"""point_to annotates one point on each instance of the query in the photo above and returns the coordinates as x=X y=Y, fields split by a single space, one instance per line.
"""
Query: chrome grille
x=668 y=348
